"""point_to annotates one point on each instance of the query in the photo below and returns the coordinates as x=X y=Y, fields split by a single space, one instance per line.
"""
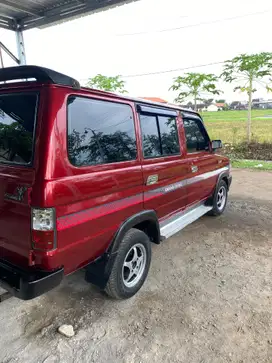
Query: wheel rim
x=134 y=265
x=221 y=198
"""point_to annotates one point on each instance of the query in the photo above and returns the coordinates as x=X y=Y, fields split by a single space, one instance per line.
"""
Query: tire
x=218 y=208
x=134 y=248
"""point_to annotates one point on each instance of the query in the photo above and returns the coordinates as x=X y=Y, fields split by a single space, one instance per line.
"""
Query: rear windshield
x=17 y=124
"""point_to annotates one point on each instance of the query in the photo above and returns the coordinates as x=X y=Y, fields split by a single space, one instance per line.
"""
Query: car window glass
x=159 y=136
x=100 y=132
x=169 y=135
x=150 y=136
x=196 y=136
x=17 y=124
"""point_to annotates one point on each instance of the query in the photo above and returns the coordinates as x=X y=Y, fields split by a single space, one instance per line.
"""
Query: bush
x=252 y=151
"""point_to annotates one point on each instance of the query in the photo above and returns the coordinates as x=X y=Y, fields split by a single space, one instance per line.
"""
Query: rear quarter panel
x=91 y=202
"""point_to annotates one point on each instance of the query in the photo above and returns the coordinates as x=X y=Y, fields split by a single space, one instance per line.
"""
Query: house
x=154 y=99
x=212 y=108
x=261 y=104
x=220 y=106
x=237 y=105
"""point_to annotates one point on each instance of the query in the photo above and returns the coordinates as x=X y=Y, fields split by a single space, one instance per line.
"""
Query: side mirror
x=216 y=144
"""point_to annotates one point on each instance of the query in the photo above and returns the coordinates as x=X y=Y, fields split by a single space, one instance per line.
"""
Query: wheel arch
x=98 y=272
x=225 y=175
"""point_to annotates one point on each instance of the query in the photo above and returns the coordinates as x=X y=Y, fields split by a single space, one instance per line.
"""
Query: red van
x=90 y=179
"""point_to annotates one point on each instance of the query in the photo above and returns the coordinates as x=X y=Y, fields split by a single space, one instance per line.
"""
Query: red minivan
x=90 y=179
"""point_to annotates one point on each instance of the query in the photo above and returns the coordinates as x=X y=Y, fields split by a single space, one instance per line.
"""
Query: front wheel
x=219 y=199
x=131 y=265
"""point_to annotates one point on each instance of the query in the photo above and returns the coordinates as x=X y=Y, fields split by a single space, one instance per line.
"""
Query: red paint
x=90 y=202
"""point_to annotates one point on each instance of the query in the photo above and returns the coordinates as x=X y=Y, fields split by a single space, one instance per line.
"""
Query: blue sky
x=135 y=38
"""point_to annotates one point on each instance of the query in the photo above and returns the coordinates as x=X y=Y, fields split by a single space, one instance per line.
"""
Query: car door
x=163 y=161
x=202 y=162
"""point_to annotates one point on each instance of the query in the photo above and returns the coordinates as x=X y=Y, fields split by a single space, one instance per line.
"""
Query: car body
x=81 y=168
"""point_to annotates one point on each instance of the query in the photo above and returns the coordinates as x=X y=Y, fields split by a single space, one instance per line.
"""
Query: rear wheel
x=219 y=199
x=131 y=265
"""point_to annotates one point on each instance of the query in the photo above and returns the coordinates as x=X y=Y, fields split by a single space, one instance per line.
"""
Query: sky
x=152 y=36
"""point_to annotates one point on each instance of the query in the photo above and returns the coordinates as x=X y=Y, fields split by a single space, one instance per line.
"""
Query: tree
x=249 y=69
x=193 y=85
x=220 y=101
x=104 y=83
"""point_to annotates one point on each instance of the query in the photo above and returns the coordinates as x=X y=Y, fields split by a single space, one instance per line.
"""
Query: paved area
x=208 y=298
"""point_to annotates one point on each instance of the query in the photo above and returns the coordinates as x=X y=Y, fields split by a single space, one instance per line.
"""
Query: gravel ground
x=208 y=298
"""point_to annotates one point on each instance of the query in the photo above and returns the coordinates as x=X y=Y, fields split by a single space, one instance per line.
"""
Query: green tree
x=221 y=100
x=104 y=83
x=193 y=85
x=249 y=70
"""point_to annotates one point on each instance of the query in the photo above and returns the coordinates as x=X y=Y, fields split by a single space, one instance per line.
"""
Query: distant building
x=212 y=108
x=154 y=99
x=237 y=105
x=220 y=106
x=262 y=104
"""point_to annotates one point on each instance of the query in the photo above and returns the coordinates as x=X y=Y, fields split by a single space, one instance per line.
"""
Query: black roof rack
x=41 y=74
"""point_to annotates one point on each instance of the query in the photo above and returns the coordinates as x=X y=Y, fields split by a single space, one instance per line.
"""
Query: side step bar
x=179 y=221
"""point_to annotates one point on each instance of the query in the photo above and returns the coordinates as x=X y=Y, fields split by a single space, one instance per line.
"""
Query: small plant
x=193 y=85
x=234 y=134
x=250 y=70
x=104 y=83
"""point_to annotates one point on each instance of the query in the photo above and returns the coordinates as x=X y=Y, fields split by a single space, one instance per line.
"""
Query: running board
x=181 y=220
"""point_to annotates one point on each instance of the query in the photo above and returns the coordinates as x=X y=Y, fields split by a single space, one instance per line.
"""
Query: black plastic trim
x=28 y=284
x=41 y=74
x=98 y=272
x=225 y=174
x=157 y=110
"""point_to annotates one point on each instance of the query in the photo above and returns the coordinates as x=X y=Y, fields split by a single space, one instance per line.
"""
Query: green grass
x=230 y=126
x=252 y=164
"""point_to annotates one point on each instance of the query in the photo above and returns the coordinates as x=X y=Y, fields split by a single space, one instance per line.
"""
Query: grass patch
x=230 y=126
x=252 y=164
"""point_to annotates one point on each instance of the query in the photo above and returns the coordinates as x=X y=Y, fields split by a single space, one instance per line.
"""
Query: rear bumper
x=27 y=285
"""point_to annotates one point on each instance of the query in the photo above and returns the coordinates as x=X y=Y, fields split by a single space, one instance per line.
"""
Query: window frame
x=197 y=119
x=34 y=135
x=157 y=112
x=100 y=165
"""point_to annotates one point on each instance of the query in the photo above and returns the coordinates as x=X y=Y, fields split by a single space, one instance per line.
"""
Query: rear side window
x=159 y=136
x=100 y=132
x=17 y=124
x=196 y=135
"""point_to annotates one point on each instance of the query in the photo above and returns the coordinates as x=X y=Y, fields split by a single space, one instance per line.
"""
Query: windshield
x=17 y=124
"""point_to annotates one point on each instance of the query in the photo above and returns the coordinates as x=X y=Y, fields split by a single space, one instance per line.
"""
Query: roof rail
x=41 y=74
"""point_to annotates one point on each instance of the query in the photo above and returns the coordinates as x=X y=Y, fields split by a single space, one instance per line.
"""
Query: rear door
x=203 y=164
x=17 y=135
x=164 y=164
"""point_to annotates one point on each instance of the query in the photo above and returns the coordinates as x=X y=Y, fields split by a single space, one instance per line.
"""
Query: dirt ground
x=208 y=298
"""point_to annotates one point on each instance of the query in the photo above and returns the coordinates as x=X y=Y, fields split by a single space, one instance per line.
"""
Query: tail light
x=43 y=229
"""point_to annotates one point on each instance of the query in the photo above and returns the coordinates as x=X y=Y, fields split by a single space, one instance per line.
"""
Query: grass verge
x=252 y=164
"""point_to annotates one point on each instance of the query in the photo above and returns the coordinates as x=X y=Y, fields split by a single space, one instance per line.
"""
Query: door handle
x=194 y=168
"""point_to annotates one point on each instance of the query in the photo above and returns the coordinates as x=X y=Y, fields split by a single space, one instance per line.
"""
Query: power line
x=171 y=70
x=197 y=24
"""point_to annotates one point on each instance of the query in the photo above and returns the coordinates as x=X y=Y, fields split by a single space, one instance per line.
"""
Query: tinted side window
x=150 y=136
x=196 y=136
x=169 y=135
x=17 y=124
x=100 y=132
x=159 y=136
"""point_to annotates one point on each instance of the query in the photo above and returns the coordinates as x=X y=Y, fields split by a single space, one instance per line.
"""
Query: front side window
x=196 y=135
x=159 y=136
x=169 y=135
x=17 y=124
x=100 y=132
x=150 y=136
